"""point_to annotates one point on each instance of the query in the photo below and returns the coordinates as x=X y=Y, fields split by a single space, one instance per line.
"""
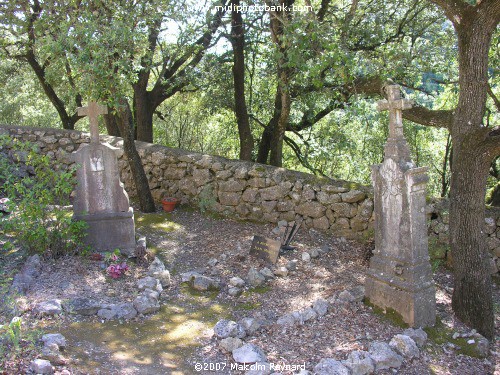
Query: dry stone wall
x=253 y=191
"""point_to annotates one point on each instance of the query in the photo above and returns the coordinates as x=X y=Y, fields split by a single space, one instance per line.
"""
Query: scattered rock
x=204 y=283
x=189 y=276
x=124 y=310
x=251 y=325
x=249 y=353
x=52 y=354
x=268 y=274
x=163 y=277
x=212 y=262
x=281 y=271
x=482 y=345
x=292 y=265
x=306 y=257
x=50 y=307
x=314 y=253
x=357 y=293
x=255 y=278
x=345 y=296
x=228 y=328
x=82 y=306
x=237 y=282
x=320 y=306
x=41 y=366
x=29 y=272
x=329 y=366
x=156 y=266
x=149 y=282
x=145 y=303
x=286 y=320
x=54 y=338
x=308 y=314
x=359 y=362
x=230 y=343
x=417 y=335
x=405 y=346
x=234 y=292
x=383 y=356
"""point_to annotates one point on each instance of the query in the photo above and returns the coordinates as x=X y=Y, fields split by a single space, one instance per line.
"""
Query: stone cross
x=93 y=111
x=395 y=105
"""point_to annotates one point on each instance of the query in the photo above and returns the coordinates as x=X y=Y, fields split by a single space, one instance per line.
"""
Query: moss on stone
x=387 y=314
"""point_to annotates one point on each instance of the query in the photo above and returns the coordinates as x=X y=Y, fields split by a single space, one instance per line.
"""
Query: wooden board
x=265 y=248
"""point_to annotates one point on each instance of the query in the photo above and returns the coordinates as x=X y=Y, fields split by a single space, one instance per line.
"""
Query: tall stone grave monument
x=100 y=199
x=400 y=275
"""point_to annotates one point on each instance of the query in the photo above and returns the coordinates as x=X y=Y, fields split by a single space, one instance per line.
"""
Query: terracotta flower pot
x=169 y=204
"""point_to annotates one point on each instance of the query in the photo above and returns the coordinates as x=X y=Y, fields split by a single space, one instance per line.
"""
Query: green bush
x=38 y=191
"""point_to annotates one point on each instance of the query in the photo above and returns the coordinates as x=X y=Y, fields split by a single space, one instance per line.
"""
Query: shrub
x=37 y=192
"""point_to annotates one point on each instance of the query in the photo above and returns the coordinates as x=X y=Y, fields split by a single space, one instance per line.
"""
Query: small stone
x=471 y=341
x=345 y=296
x=82 y=306
x=405 y=346
x=330 y=366
x=231 y=343
x=309 y=314
x=251 y=325
x=213 y=262
x=357 y=293
x=320 y=306
x=292 y=265
x=249 y=353
x=482 y=346
x=281 y=271
x=255 y=278
x=52 y=354
x=234 y=292
x=156 y=266
x=54 y=338
x=268 y=274
x=455 y=335
x=237 y=282
x=146 y=304
x=163 y=277
x=50 y=307
x=41 y=366
x=228 y=328
x=314 y=253
x=189 y=276
x=306 y=257
x=418 y=335
x=359 y=362
x=149 y=282
x=383 y=356
x=204 y=283
x=286 y=320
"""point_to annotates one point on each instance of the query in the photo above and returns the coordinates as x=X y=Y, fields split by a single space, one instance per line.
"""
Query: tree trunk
x=143 y=112
x=125 y=123
x=240 y=106
x=278 y=135
x=265 y=140
x=472 y=295
x=111 y=125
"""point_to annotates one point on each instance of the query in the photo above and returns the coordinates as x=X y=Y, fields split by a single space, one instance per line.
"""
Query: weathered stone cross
x=395 y=105
x=93 y=110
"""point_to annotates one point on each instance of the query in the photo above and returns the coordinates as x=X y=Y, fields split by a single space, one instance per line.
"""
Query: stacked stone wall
x=252 y=191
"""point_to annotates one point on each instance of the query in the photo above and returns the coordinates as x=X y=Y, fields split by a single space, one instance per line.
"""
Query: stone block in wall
x=295 y=196
x=189 y=187
x=330 y=215
x=365 y=209
x=257 y=182
x=201 y=176
x=496 y=252
x=340 y=224
x=287 y=215
x=173 y=173
x=223 y=175
x=321 y=223
x=242 y=210
x=285 y=205
x=190 y=158
x=157 y=194
x=249 y=195
x=272 y=193
x=257 y=171
x=308 y=193
x=326 y=198
x=345 y=210
x=157 y=158
x=358 y=224
x=311 y=209
x=269 y=206
x=352 y=196
x=204 y=162
x=490 y=225
x=229 y=198
x=335 y=189
x=241 y=172
x=271 y=217
x=231 y=185
x=492 y=243
x=217 y=166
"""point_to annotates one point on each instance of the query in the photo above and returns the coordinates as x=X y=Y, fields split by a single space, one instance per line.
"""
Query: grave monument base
x=110 y=231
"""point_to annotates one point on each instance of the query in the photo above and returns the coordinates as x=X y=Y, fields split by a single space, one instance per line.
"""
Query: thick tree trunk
x=278 y=135
x=125 y=123
x=265 y=140
x=111 y=125
x=472 y=296
x=240 y=106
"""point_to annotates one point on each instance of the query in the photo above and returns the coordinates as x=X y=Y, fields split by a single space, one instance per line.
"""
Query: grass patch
x=247 y=306
x=187 y=289
x=257 y=289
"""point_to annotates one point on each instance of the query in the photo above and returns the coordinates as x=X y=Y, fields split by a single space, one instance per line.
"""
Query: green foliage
x=38 y=221
x=206 y=199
